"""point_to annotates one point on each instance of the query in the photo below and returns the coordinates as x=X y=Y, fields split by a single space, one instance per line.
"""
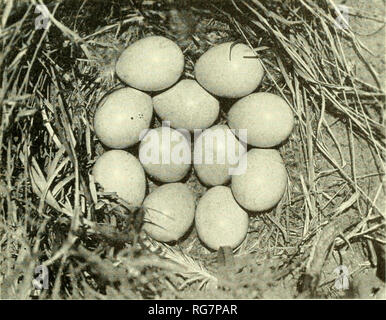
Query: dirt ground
x=366 y=18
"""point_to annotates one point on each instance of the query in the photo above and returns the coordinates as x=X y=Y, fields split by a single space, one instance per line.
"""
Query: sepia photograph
x=193 y=154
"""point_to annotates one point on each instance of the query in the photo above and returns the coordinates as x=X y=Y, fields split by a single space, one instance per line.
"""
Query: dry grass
x=52 y=213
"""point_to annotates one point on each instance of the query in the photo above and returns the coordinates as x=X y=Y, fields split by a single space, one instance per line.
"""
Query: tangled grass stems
x=51 y=81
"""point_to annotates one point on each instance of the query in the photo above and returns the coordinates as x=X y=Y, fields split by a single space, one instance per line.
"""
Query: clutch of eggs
x=154 y=66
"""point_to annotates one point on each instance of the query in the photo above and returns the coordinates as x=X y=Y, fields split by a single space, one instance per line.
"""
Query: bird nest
x=56 y=65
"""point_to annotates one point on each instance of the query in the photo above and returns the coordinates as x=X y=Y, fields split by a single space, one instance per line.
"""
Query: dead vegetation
x=52 y=213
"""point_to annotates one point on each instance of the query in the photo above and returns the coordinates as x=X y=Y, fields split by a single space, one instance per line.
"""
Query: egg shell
x=267 y=117
x=263 y=183
x=119 y=171
x=169 y=212
x=151 y=64
x=220 y=145
x=187 y=105
x=228 y=75
x=219 y=219
x=165 y=154
x=121 y=117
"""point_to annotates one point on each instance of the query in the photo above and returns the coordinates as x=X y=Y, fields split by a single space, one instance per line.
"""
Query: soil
x=366 y=19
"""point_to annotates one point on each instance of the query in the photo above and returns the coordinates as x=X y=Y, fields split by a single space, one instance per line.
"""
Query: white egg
x=121 y=117
x=119 y=171
x=151 y=64
x=187 y=105
x=165 y=154
x=229 y=73
x=263 y=183
x=169 y=212
x=219 y=220
x=267 y=118
x=216 y=153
